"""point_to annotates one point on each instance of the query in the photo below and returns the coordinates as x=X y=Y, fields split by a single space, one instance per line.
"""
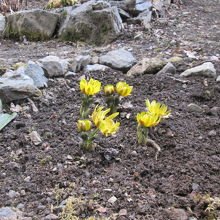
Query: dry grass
x=11 y=5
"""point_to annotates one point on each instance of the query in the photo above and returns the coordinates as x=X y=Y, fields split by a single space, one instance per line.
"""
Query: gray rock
x=34 y=24
x=7 y=213
x=92 y=26
x=15 y=86
x=175 y=214
x=195 y=186
x=206 y=69
x=218 y=79
x=212 y=133
x=195 y=108
x=168 y=68
x=51 y=217
x=124 y=15
x=147 y=66
x=12 y=194
x=35 y=72
x=54 y=66
x=35 y=138
x=215 y=111
x=14 y=166
x=2 y=23
x=70 y=74
x=142 y=5
x=95 y=68
x=133 y=7
x=192 y=218
x=118 y=59
x=99 y=5
x=143 y=18
x=79 y=62
x=20 y=206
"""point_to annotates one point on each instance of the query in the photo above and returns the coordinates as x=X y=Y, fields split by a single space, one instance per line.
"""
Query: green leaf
x=5 y=119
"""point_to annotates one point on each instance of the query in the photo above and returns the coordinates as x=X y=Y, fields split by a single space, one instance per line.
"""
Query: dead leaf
x=101 y=209
x=123 y=212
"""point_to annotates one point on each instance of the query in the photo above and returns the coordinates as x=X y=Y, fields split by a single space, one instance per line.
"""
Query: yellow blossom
x=84 y=125
x=90 y=88
x=109 y=90
x=99 y=114
x=108 y=126
x=146 y=119
x=123 y=89
x=156 y=108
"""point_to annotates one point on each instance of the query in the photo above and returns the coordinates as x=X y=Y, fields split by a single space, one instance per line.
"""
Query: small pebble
x=212 y=133
x=112 y=200
x=12 y=194
x=195 y=108
x=134 y=153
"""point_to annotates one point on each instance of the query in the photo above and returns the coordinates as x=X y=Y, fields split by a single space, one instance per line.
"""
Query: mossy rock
x=34 y=24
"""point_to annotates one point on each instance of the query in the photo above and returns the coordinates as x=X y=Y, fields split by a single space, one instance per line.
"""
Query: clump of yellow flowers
x=88 y=89
x=104 y=124
x=156 y=112
x=113 y=94
x=61 y=3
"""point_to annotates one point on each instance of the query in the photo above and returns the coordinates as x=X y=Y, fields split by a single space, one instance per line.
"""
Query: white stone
x=218 y=79
x=112 y=200
x=95 y=68
x=206 y=69
x=35 y=138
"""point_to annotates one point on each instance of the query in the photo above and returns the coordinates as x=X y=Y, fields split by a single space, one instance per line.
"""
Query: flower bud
x=123 y=89
x=84 y=125
x=109 y=90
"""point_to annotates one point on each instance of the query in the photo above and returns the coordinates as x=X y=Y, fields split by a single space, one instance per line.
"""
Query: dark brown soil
x=188 y=164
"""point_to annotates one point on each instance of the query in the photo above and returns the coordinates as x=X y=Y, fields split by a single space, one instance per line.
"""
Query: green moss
x=82 y=35
x=17 y=35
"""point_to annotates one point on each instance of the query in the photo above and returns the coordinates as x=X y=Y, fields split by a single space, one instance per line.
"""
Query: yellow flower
x=123 y=89
x=146 y=119
x=108 y=126
x=84 y=125
x=98 y=115
x=90 y=88
x=155 y=108
x=109 y=90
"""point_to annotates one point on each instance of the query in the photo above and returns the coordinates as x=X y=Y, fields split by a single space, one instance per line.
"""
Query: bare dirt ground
x=188 y=165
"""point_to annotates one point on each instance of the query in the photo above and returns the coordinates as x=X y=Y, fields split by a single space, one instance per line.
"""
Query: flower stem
x=84 y=108
x=142 y=134
x=87 y=143
x=112 y=102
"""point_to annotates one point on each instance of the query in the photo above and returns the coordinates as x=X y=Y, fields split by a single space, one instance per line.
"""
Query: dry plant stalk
x=11 y=5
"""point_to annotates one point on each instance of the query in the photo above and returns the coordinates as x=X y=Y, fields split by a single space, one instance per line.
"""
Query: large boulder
x=34 y=24
x=15 y=86
x=93 y=22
